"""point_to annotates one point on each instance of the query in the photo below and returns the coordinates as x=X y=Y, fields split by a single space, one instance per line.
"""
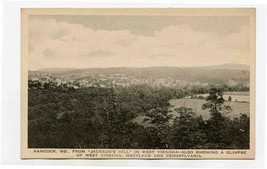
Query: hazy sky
x=137 y=41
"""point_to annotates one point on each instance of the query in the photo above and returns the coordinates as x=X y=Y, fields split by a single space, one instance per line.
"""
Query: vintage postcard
x=158 y=83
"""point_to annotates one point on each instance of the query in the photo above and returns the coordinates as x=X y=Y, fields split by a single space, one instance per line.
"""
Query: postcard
x=138 y=83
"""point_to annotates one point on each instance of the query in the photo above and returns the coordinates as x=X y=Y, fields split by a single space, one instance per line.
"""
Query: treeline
x=189 y=90
x=105 y=118
x=193 y=90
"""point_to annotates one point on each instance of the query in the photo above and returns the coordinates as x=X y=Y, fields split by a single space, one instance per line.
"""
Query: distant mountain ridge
x=220 y=74
x=55 y=70
x=230 y=66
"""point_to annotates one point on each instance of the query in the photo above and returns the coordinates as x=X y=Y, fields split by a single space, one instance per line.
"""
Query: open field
x=196 y=104
x=237 y=93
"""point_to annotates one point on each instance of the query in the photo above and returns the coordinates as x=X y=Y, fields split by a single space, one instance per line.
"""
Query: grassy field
x=196 y=104
x=237 y=93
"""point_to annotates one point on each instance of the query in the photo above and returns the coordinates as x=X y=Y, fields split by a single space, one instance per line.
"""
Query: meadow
x=196 y=104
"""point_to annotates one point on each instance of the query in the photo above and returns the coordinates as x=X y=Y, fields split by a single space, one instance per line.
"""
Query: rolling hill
x=213 y=74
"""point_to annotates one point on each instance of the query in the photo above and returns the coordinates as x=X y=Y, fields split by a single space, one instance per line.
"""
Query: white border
x=10 y=110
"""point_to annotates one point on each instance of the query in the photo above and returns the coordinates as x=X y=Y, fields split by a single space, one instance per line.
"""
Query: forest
x=96 y=117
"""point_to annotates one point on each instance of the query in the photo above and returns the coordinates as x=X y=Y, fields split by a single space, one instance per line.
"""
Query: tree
x=157 y=134
x=240 y=132
x=187 y=130
x=217 y=127
x=215 y=102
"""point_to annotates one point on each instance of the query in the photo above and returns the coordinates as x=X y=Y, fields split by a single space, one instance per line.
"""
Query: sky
x=137 y=41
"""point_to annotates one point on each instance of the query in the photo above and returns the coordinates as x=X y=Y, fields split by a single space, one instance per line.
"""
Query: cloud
x=48 y=53
x=98 y=53
x=62 y=44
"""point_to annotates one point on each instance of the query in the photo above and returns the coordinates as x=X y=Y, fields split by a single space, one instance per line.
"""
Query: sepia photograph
x=138 y=83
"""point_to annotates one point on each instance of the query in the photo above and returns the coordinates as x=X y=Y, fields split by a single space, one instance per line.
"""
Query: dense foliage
x=98 y=117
